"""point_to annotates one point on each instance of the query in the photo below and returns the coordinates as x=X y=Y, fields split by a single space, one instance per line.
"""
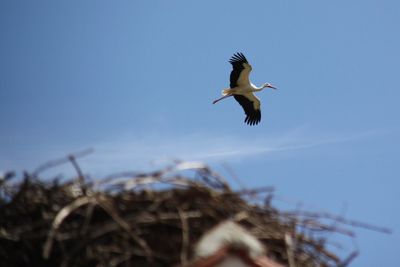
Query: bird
x=243 y=90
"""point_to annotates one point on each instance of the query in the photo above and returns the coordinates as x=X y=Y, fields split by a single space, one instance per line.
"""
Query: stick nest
x=146 y=219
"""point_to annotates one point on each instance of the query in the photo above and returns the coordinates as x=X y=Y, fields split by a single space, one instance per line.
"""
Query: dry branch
x=151 y=219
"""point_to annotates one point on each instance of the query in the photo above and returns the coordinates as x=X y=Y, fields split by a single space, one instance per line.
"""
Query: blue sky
x=135 y=81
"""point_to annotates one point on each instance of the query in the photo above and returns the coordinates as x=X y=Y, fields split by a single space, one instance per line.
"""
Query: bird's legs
x=219 y=99
x=226 y=93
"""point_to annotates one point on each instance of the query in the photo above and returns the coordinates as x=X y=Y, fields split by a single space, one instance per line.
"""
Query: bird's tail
x=227 y=91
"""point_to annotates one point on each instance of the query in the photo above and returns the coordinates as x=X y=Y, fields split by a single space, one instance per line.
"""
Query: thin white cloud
x=132 y=152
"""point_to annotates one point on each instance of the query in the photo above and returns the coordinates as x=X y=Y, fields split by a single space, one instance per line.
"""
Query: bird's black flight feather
x=237 y=61
x=253 y=116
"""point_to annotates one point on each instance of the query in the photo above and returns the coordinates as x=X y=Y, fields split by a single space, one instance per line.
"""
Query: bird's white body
x=243 y=90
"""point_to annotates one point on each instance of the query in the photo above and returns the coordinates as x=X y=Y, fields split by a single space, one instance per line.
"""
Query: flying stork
x=242 y=89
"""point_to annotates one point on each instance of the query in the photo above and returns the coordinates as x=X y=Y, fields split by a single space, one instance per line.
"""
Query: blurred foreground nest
x=149 y=219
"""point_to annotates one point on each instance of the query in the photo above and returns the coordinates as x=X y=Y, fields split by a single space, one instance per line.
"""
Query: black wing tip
x=238 y=57
x=253 y=116
x=253 y=119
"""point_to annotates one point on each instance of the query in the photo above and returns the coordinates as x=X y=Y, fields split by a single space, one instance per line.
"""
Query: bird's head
x=268 y=85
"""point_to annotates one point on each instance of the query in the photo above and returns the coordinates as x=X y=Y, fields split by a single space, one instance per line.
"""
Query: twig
x=318 y=226
x=290 y=248
x=349 y=259
x=61 y=215
x=88 y=218
x=185 y=237
x=319 y=248
x=256 y=191
x=53 y=163
x=234 y=176
x=81 y=178
x=343 y=221
x=124 y=225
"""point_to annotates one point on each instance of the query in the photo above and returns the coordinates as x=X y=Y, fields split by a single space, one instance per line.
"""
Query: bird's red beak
x=272 y=87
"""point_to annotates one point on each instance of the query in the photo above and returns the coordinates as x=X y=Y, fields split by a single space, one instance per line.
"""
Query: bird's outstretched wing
x=251 y=106
x=241 y=70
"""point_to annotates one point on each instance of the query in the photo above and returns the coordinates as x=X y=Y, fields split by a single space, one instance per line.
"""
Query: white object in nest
x=229 y=234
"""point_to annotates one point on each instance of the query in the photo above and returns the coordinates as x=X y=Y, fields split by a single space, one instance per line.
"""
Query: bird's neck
x=258 y=89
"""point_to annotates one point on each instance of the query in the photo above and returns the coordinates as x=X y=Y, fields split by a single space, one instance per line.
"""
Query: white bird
x=242 y=89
